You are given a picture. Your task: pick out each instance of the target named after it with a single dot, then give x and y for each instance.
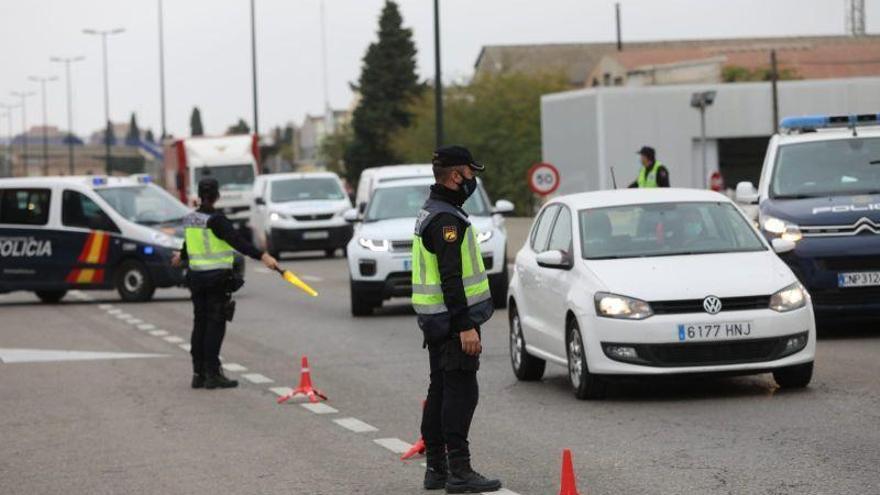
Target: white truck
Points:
(232, 160)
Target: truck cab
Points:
(820, 189)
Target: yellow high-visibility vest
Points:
(205, 250)
(648, 178)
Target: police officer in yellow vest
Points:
(653, 173)
(451, 299)
(209, 248)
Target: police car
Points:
(63, 233)
(820, 188)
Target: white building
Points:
(587, 132)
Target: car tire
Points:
(526, 367)
(498, 287)
(133, 282)
(51, 296)
(797, 376)
(330, 253)
(586, 385)
(360, 305)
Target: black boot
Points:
(198, 380)
(463, 479)
(214, 378)
(437, 471)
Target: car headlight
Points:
(378, 245)
(615, 306)
(484, 236)
(275, 216)
(165, 240)
(790, 298)
(781, 228)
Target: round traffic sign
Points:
(543, 178)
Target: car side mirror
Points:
(781, 246)
(555, 259)
(362, 208)
(351, 215)
(503, 207)
(746, 193)
(260, 201)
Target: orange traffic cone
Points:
(305, 386)
(569, 486)
(418, 447)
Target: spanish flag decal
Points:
(94, 252)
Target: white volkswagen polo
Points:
(654, 282)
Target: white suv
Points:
(380, 252)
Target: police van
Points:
(820, 188)
(63, 233)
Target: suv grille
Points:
(846, 296)
(401, 245)
(696, 305)
(312, 218)
(853, 263)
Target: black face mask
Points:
(468, 187)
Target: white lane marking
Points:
(185, 347)
(262, 270)
(234, 367)
(158, 333)
(319, 408)
(44, 356)
(105, 307)
(123, 316)
(146, 326)
(173, 339)
(281, 391)
(355, 425)
(134, 321)
(395, 445)
(257, 378)
(503, 491)
(311, 278)
(114, 311)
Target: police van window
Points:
(560, 239)
(24, 206)
(834, 167)
(78, 210)
(542, 228)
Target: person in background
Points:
(653, 173)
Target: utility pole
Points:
(438, 80)
(329, 124)
(619, 37)
(67, 61)
(161, 73)
(43, 80)
(254, 67)
(700, 101)
(774, 79)
(24, 95)
(103, 34)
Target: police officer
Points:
(451, 298)
(653, 173)
(209, 247)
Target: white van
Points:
(63, 233)
(372, 177)
(300, 212)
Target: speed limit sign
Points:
(543, 178)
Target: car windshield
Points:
(306, 189)
(406, 201)
(665, 229)
(827, 168)
(146, 205)
(230, 177)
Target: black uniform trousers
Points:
(209, 321)
(452, 398)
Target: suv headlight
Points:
(275, 216)
(378, 245)
(616, 306)
(781, 228)
(790, 298)
(484, 236)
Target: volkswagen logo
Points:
(712, 305)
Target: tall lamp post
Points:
(700, 101)
(104, 34)
(438, 80)
(24, 95)
(254, 67)
(161, 72)
(67, 61)
(43, 80)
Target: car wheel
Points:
(585, 384)
(330, 253)
(133, 282)
(50, 296)
(498, 287)
(360, 305)
(525, 366)
(797, 376)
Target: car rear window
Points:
(24, 206)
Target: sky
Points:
(208, 62)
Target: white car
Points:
(373, 176)
(655, 282)
(300, 212)
(380, 252)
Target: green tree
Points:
(133, 138)
(240, 127)
(498, 117)
(109, 135)
(195, 123)
(148, 136)
(387, 85)
(736, 73)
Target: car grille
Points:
(312, 218)
(401, 246)
(710, 353)
(846, 297)
(849, 263)
(863, 225)
(696, 305)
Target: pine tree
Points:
(387, 84)
(133, 138)
(241, 127)
(148, 136)
(109, 135)
(195, 123)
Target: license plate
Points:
(407, 265)
(711, 331)
(858, 279)
(320, 234)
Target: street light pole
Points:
(254, 67)
(161, 72)
(43, 80)
(438, 80)
(700, 101)
(67, 61)
(24, 134)
(103, 34)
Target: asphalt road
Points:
(133, 425)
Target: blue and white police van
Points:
(820, 189)
(63, 233)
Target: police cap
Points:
(209, 188)
(648, 152)
(450, 156)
